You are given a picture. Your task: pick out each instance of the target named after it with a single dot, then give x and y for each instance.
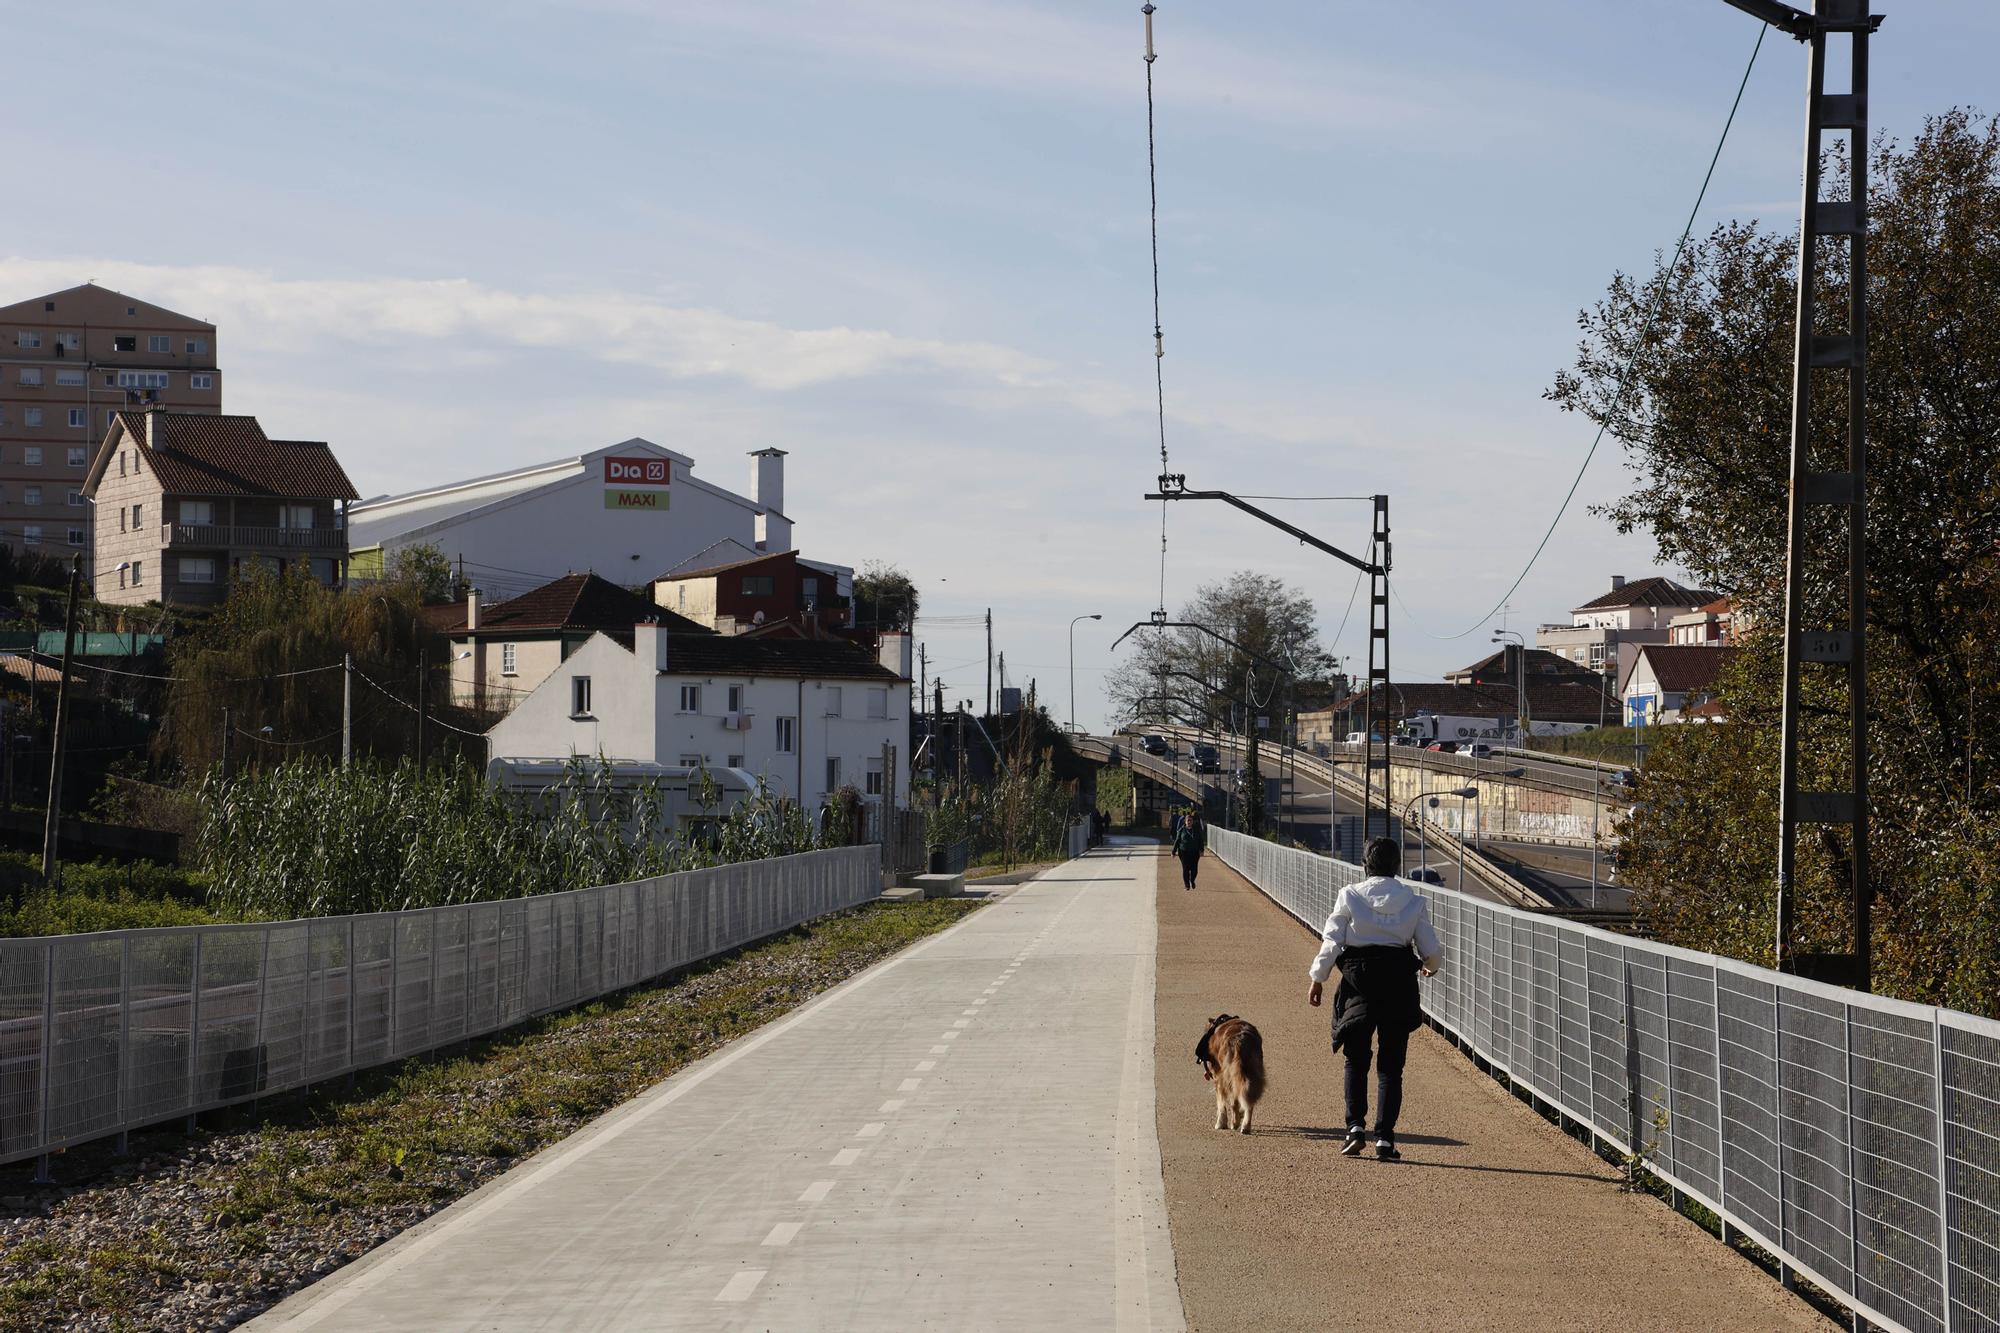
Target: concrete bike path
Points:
(961, 1137)
(1494, 1220)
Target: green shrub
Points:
(71, 913)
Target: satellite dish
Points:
(757, 619)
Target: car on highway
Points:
(1400, 739)
(1207, 759)
(1625, 778)
(1442, 747)
(1156, 745)
(1478, 750)
(1424, 875)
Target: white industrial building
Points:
(808, 716)
(628, 512)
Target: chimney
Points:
(1617, 582)
(153, 415)
(472, 608)
(892, 650)
(649, 639)
(767, 480)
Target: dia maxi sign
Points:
(636, 483)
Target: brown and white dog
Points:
(1231, 1055)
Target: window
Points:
(32, 416)
(31, 495)
(121, 576)
(878, 701)
(810, 587)
(75, 499)
(788, 735)
(833, 701)
(124, 342)
(325, 570)
(873, 778)
(201, 381)
(197, 511)
(197, 347)
(78, 455)
(76, 536)
(138, 517)
(690, 698)
(693, 760)
(159, 342)
(833, 772)
(142, 379)
(32, 455)
(579, 696)
(138, 572)
(508, 665)
(758, 585)
(121, 472)
(121, 518)
(77, 422)
(69, 379)
(31, 376)
(735, 761)
(71, 342)
(27, 338)
(31, 535)
(295, 517)
(197, 569)
(735, 699)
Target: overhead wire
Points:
(1159, 341)
(1624, 377)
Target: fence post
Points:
(1786, 1277)
(1944, 1180)
(124, 1041)
(395, 985)
(1721, 1143)
(194, 1031)
(263, 1005)
(1847, 1111)
(353, 1059)
(42, 1176)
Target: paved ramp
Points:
(960, 1138)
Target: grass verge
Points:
(211, 1230)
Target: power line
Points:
(430, 718)
(1631, 362)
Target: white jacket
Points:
(1382, 910)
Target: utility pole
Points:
(1817, 634)
(347, 709)
(227, 727)
(937, 729)
(989, 661)
(52, 825)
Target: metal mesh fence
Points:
(109, 1032)
(1857, 1139)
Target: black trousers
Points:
(1388, 1060)
(1190, 862)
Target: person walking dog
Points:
(1190, 841)
(1379, 935)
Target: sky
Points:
(907, 241)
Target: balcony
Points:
(223, 536)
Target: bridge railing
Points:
(1854, 1138)
(113, 1031)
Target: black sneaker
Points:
(1355, 1140)
(1385, 1149)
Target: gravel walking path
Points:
(1494, 1220)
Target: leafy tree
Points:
(1705, 427)
(1204, 676)
(884, 597)
(423, 569)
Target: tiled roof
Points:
(1655, 591)
(737, 655)
(205, 453)
(709, 571)
(1548, 701)
(1683, 667)
(579, 602)
(1537, 661)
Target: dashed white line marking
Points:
(926, 1066)
(870, 1130)
(782, 1233)
(739, 1287)
(908, 1085)
(981, 1000)
(939, 1050)
(816, 1191)
(950, 1036)
(961, 1022)
(893, 1104)
(970, 1013)
(846, 1156)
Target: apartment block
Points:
(68, 361)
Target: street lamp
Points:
(1072, 667)
(1520, 683)
(1461, 793)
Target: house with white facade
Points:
(1606, 632)
(1672, 683)
(808, 716)
(626, 512)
